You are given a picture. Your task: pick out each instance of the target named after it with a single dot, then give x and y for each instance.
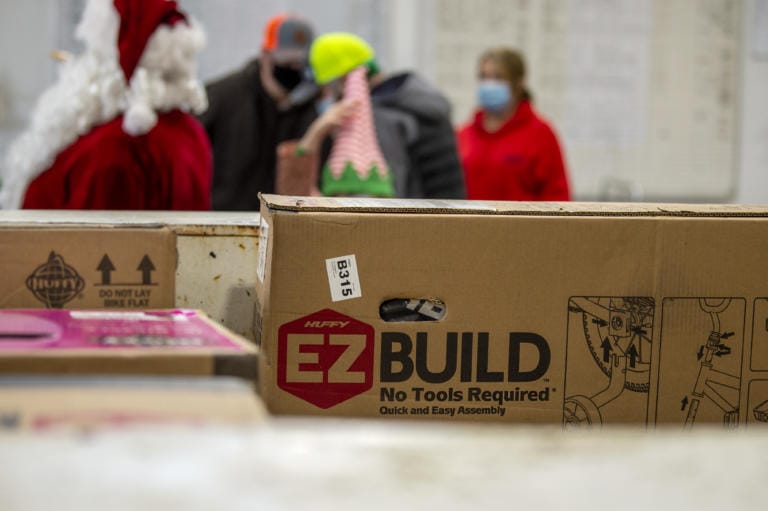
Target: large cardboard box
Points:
(212, 257)
(55, 403)
(109, 342)
(547, 313)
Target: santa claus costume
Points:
(115, 132)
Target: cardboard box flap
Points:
(191, 223)
(463, 207)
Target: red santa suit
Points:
(520, 161)
(115, 132)
(167, 168)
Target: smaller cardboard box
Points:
(55, 403)
(159, 342)
(82, 267)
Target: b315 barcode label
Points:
(343, 278)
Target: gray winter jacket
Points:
(413, 126)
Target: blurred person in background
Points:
(355, 166)
(411, 119)
(254, 109)
(114, 132)
(508, 151)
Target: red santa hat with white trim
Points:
(137, 24)
(153, 37)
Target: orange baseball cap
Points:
(288, 37)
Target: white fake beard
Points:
(87, 93)
(166, 77)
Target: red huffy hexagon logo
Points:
(325, 358)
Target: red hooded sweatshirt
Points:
(521, 161)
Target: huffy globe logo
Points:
(325, 358)
(55, 282)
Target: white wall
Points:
(26, 38)
(235, 26)
(753, 164)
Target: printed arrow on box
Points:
(146, 268)
(606, 345)
(106, 268)
(632, 355)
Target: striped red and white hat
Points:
(356, 165)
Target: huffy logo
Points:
(325, 358)
(55, 282)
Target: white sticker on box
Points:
(343, 278)
(261, 263)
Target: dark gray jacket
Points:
(245, 126)
(413, 126)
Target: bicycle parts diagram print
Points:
(609, 360)
(700, 359)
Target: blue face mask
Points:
(493, 95)
(323, 104)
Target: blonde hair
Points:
(511, 66)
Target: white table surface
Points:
(378, 465)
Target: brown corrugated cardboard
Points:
(43, 404)
(574, 313)
(111, 342)
(85, 267)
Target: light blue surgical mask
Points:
(323, 104)
(494, 95)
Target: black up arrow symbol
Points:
(106, 268)
(606, 350)
(146, 268)
(632, 355)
